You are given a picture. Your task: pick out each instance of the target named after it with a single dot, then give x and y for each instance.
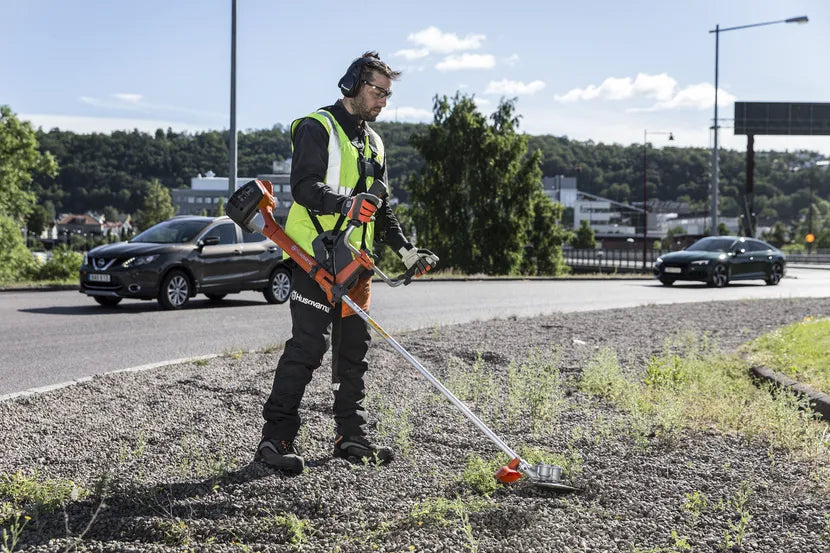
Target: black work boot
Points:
(357, 449)
(279, 454)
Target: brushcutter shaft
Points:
(435, 382)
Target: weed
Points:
(197, 461)
(825, 533)
(296, 530)
(11, 535)
(34, 494)
(535, 390)
(396, 424)
(478, 475)
(740, 523)
(443, 512)
(173, 532)
(695, 504)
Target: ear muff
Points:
(350, 82)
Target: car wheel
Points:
(666, 281)
(174, 291)
(776, 272)
(720, 276)
(279, 286)
(107, 301)
(215, 297)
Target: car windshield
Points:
(172, 232)
(711, 244)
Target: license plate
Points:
(99, 277)
(672, 270)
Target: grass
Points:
(799, 350)
(692, 386)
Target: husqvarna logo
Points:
(296, 296)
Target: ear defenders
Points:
(350, 82)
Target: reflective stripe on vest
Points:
(342, 176)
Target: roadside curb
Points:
(44, 288)
(819, 402)
(52, 387)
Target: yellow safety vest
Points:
(342, 176)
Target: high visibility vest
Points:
(342, 176)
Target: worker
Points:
(337, 158)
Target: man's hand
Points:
(422, 259)
(361, 207)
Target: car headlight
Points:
(86, 259)
(658, 261)
(140, 260)
(700, 262)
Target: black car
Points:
(184, 256)
(717, 260)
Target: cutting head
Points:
(541, 475)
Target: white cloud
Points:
(412, 53)
(126, 97)
(660, 86)
(514, 88)
(466, 61)
(511, 60)
(85, 125)
(697, 96)
(434, 40)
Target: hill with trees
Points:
(113, 171)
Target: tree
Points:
(543, 253)
(473, 202)
(158, 205)
(220, 207)
(20, 161)
(667, 243)
(16, 261)
(584, 237)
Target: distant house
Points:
(86, 224)
(118, 229)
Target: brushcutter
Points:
(251, 207)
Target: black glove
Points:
(422, 259)
(361, 207)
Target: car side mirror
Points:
(208, 241)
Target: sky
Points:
(601, 70)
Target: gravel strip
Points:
(177, 443)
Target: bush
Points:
(64, 265)
(16, 261)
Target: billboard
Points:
(794, 118)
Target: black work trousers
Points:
(316, 323)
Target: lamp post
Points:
(645, 190)
(717, 30)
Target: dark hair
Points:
(379, 66)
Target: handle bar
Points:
(403, 278)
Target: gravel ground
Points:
(176, 444)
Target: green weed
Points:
(535, 391)
(34, 494)
(296, 530)
(695, 504)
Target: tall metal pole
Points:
(717, 30)
(715, 221)
(645, 201)
(232, 134)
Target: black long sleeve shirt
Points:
(308, 171)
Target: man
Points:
(337, 159)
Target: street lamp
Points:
(645, 190)
(717, 30)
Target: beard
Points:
(365, 112)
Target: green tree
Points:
(20, 161)
(668, 241)
(473, 202)
(158, 205)
(38, 220)
(16, 261)
(583, 238)
(220, 207)
(543, 253)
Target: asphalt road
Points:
(47, 338)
